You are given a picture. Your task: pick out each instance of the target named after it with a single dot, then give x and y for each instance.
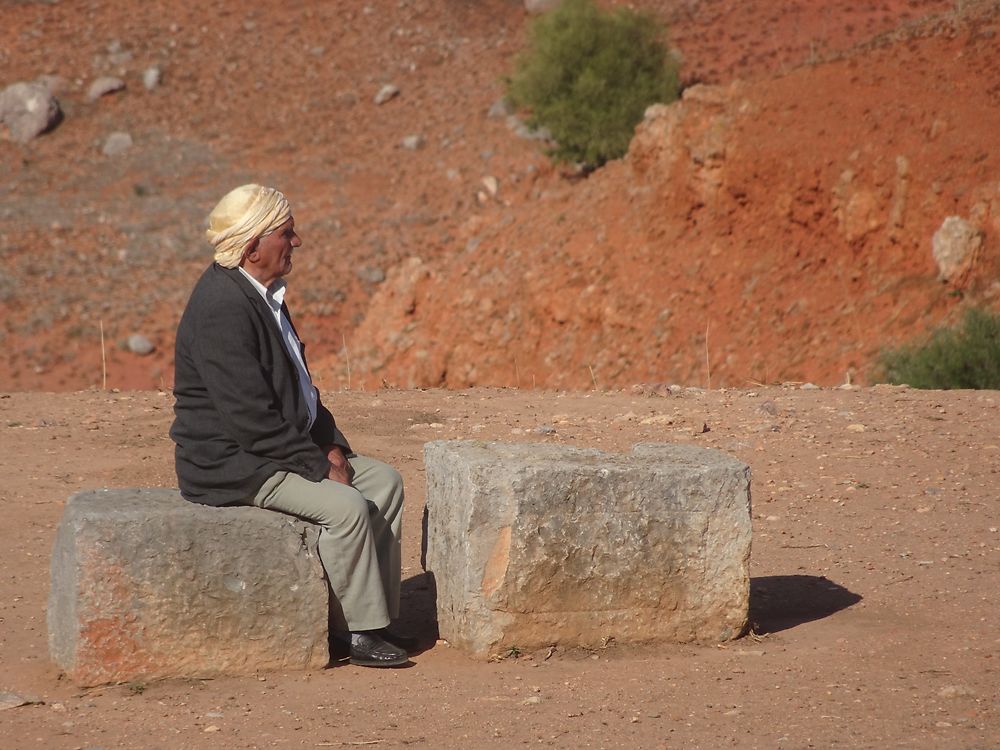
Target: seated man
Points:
(250, 427)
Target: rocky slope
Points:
(767, 231)
(98, 246)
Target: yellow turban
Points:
(243, 215)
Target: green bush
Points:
(967, 356)
(588, 76)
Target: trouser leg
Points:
(382, 485)
(347, 545)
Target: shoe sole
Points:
(358, 662)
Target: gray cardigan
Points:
(239, 412)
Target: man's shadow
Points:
(781, 602)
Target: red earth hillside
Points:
(283, 93)
(769, 231)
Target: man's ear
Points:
(250, 251)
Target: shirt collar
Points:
(274, 295)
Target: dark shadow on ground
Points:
(781, 602)
(418, 609)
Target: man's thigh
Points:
(327, 502)
(373, 477)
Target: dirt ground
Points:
(875, 567)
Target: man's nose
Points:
(296, 240)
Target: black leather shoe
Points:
(405, 642)
(369, 650)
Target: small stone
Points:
(955, 691)
(413, 142)
(768, 407)
(139, 344)
(117, 143)
(492, 185)
(28, 110)
(371, 274)
(544, 429)
(151, 77)
(387, 92)
(211, 728)
(103, 86)
(808, 387)
(500, 108)
(534, 700)
(536, 7)
(856, 428)
(955, 246)
(13, 700)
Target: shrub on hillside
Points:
(966, 356)
(588, 75)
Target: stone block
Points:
(146, 585)
(532, 545)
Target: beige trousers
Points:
(359, 541)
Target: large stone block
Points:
(532, 545)
(146, 585)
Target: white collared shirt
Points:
(274, 297)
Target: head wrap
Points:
(243, 215)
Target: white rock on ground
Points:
(28, 110)
(386, 93)
(103, 86)
(116, 143)
(533, 545)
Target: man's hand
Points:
(340, 470)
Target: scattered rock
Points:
(387, 92)
(768, 407)
(151, 77)
(13, 700)
(955, 691)
(856, 428)
(808, 387)
(535, 7)
(103, 86)
(139, 344)
(500, 108)
(521, 130)
(117, 143)
(28, 110)
(413, 142)
(371, 274)
(118, 55)
(492, 185)
(955, 246)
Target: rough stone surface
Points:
(954, 246)
(146, 585)
(28, 110)
(532, 545)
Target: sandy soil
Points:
(876, 558)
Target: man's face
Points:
(272, 258)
